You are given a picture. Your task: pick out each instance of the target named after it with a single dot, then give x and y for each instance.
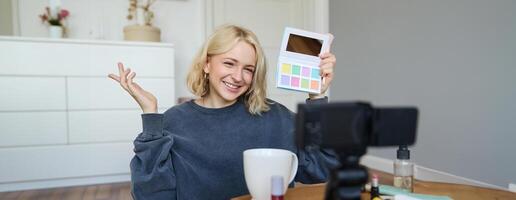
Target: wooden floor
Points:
(115, 191)
(121, 191)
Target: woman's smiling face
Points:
(231, 73)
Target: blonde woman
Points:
(194, 150)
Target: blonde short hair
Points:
(221, 41)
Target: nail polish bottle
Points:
(277, 188)
(375, 191)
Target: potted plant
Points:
(142, 30)
(56, 21)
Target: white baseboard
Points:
(424, 173)
(512, 187)
(45, 184)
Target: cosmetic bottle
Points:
(277, 188)
(375, 191)
(403, 170)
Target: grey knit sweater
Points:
(192, 152)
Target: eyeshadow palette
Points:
(298, 62)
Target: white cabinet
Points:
(62, 120)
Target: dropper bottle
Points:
(403, 170)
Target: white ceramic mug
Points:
(261, 164)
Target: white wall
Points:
(181, 23)
(455, 60)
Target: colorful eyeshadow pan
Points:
(305, 72)
(296, 69)
(314, 85)
(285, 80)
(294, 82)
(285, 68)
(315, 73)
(304, 83)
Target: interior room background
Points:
(455, 60)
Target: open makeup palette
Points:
(298, 62)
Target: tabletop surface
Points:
(455, 191)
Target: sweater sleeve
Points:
(314, 162)
(152, 172)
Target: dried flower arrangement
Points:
(147, 14)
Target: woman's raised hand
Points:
(326, 66)
(148, 102)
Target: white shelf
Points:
(82, 41)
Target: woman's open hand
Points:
(148, 102)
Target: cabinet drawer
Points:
(104, 126)
(32, 93)
(104, 93)
(32, 128)
(64, 161)
(83, 58)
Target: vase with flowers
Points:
(55, 21)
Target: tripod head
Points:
(349, 128)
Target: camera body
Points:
(352, 126)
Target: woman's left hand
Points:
(328, 61)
